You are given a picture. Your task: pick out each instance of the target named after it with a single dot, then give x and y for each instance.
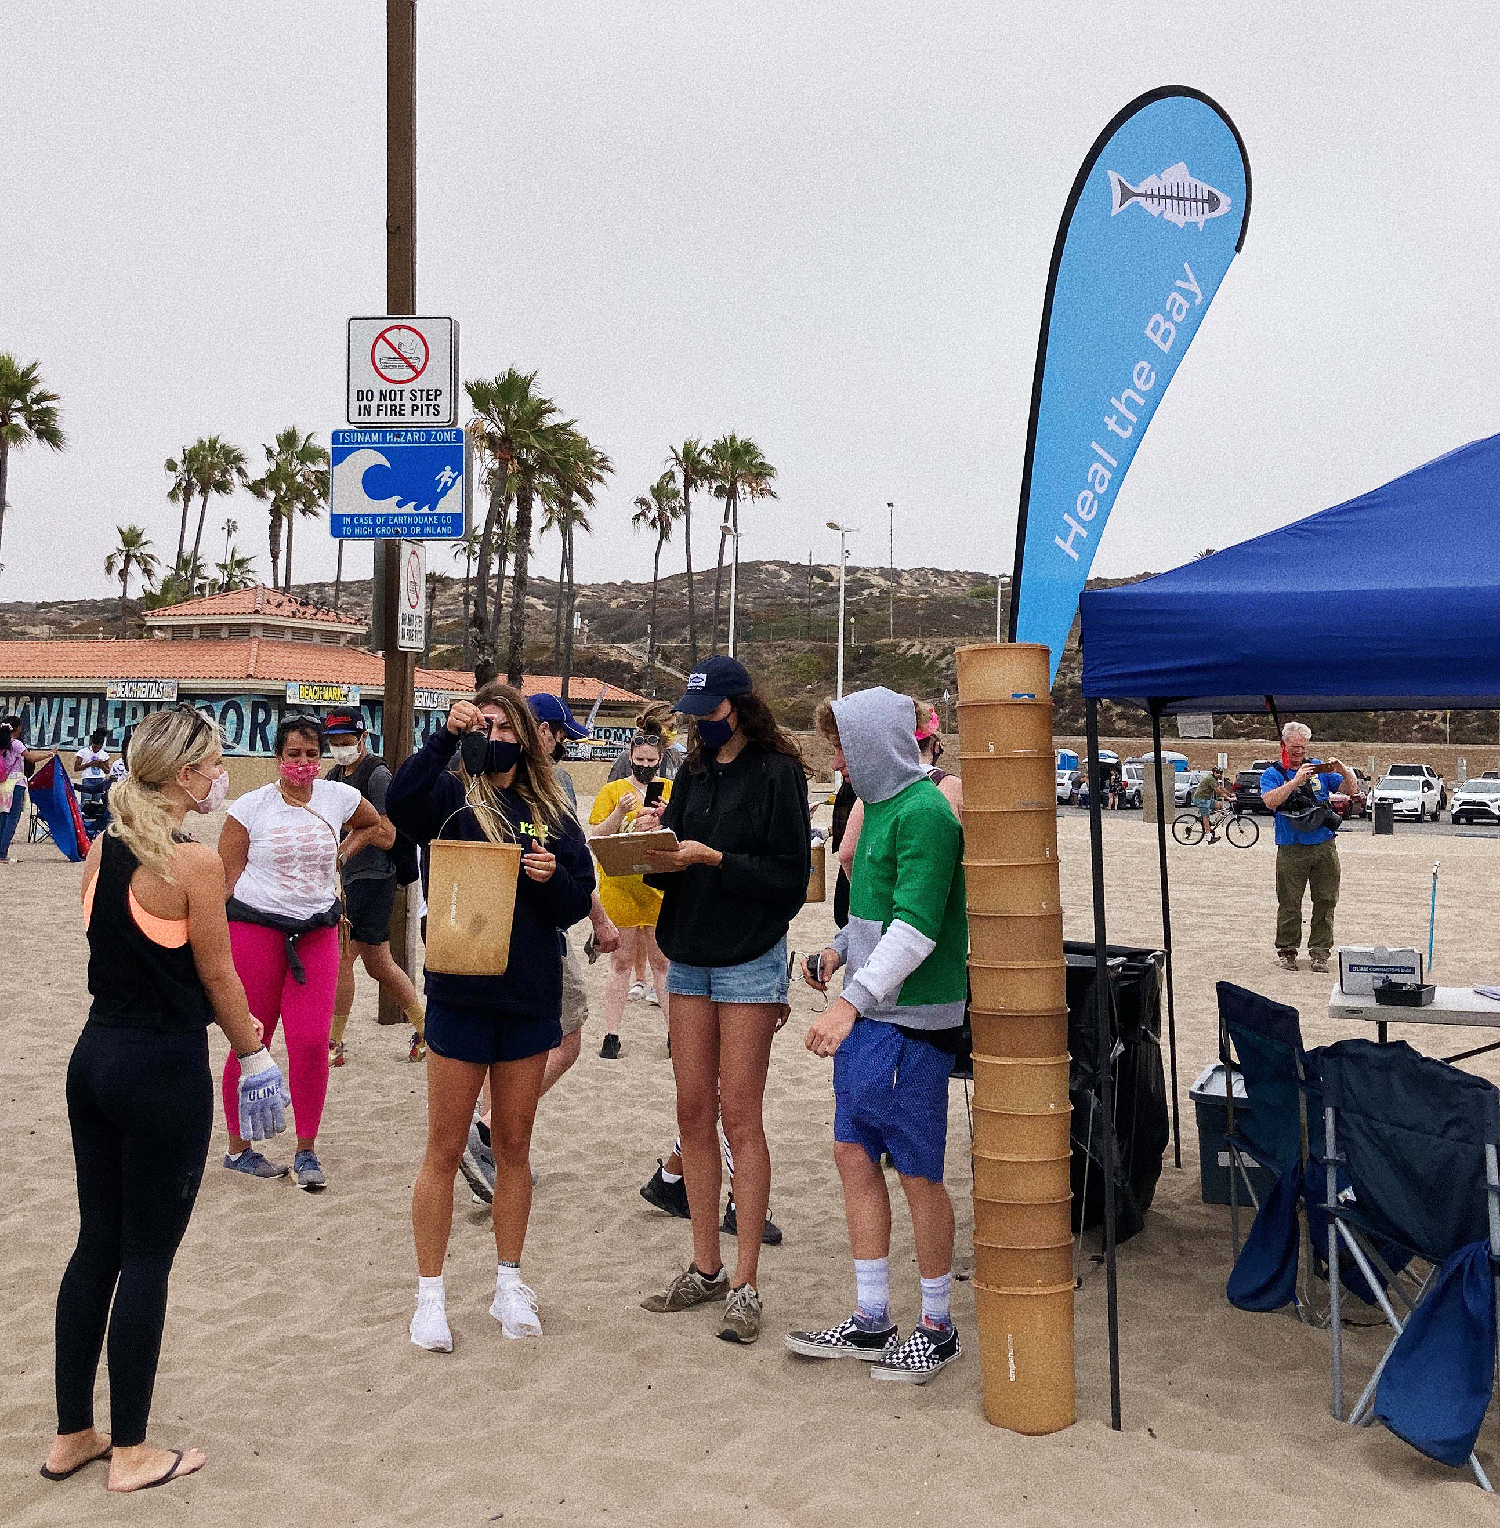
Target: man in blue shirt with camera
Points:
(1297, 790)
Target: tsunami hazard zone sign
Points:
(403, 370)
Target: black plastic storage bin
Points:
(1207, 1098)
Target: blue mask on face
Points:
(714, 735)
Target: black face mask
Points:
(481, 756)
(645, 773)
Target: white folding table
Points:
(1450, 1005)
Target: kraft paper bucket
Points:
(990, 671)
(1009, 1179)
(996, 888)
(1026, 1356)
(1000, 1133)
(471, 898)
(1044, 1223)
(1019, 1034)
(1012, 782)
(1018, 986)
(1004, 727)
(1021, 1086)
(1029, 1268)
(817, 880)
(1009, 837)
(1009, 937)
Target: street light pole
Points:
(891, 554)
(845, 531)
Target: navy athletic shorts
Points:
(890, 1093)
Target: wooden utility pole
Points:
(400, 297)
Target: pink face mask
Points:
(299, 771)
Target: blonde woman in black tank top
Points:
(140, 1095)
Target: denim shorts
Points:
(762, 980)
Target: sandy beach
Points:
(286, 1356)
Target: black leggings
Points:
(140, 1104)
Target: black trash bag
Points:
(1142, 1118)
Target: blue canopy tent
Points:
(1389, 601)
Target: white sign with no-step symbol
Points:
(411, 625)
(403, 370)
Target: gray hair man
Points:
(1306, 854)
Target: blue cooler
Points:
(1212, 1111)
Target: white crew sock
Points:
(937, 1298)
(431, 1289)
(872, 1289)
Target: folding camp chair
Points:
(1417, 1139)
(1261, 1040)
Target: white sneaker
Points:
(652, 998)
(514, 1308)
(637, 992)
(429, 1326)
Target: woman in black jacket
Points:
(735, 881)
(504, 791)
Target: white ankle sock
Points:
(507, 1273)
(937, 1297)
(872, 1285)
(667, 1177)
(431, 1289)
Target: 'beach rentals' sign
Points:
(1157, 212)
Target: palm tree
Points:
(568, 495)
(236, 571)
(132, 555)
(467, 548)
(184, 473)
(219, 468)
(186, 579)
(519, 433)
(28, 412)
(295, 482)
(739, 471)
(656, 509)
(696, 470)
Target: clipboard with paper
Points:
(625, 853)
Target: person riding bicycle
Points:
(1208, 792)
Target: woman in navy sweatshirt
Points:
(505, 791)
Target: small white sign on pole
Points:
(403, 370)
(411, 626)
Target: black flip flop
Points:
(171, 1474)
(82, 1464)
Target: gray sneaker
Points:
(309, 1172)
(688, 1289)
(253, 1165)
(741, 1315)
(478, 1166)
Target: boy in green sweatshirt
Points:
(891, 1033)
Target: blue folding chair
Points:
(1261, 1040)
(1416, 1141)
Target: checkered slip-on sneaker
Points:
(846, 1340)
(924, 1354)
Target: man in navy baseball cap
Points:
(549, 709)
(711, 684)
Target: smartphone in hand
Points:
(654, 792)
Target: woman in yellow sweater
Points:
(621, 807)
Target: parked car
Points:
(1478, 800)
(1427, 772)
(1415, 795)
(1247, 791)
(1067, 775)
(1351, 807)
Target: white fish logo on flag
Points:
(1173, 194)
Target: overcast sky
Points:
(825, 226)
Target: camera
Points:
(1307, 814)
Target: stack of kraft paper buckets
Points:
(1023, 1245)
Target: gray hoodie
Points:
(878, 731)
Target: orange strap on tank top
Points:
(169, 933)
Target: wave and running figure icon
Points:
(1173, 194)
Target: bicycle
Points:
(1239, 828)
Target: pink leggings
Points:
(260, 960)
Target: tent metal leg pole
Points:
(1102, 1004)
(1166, 925)
(1492, 1184)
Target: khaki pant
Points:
(1297, 867)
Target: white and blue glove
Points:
(263, 1097)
